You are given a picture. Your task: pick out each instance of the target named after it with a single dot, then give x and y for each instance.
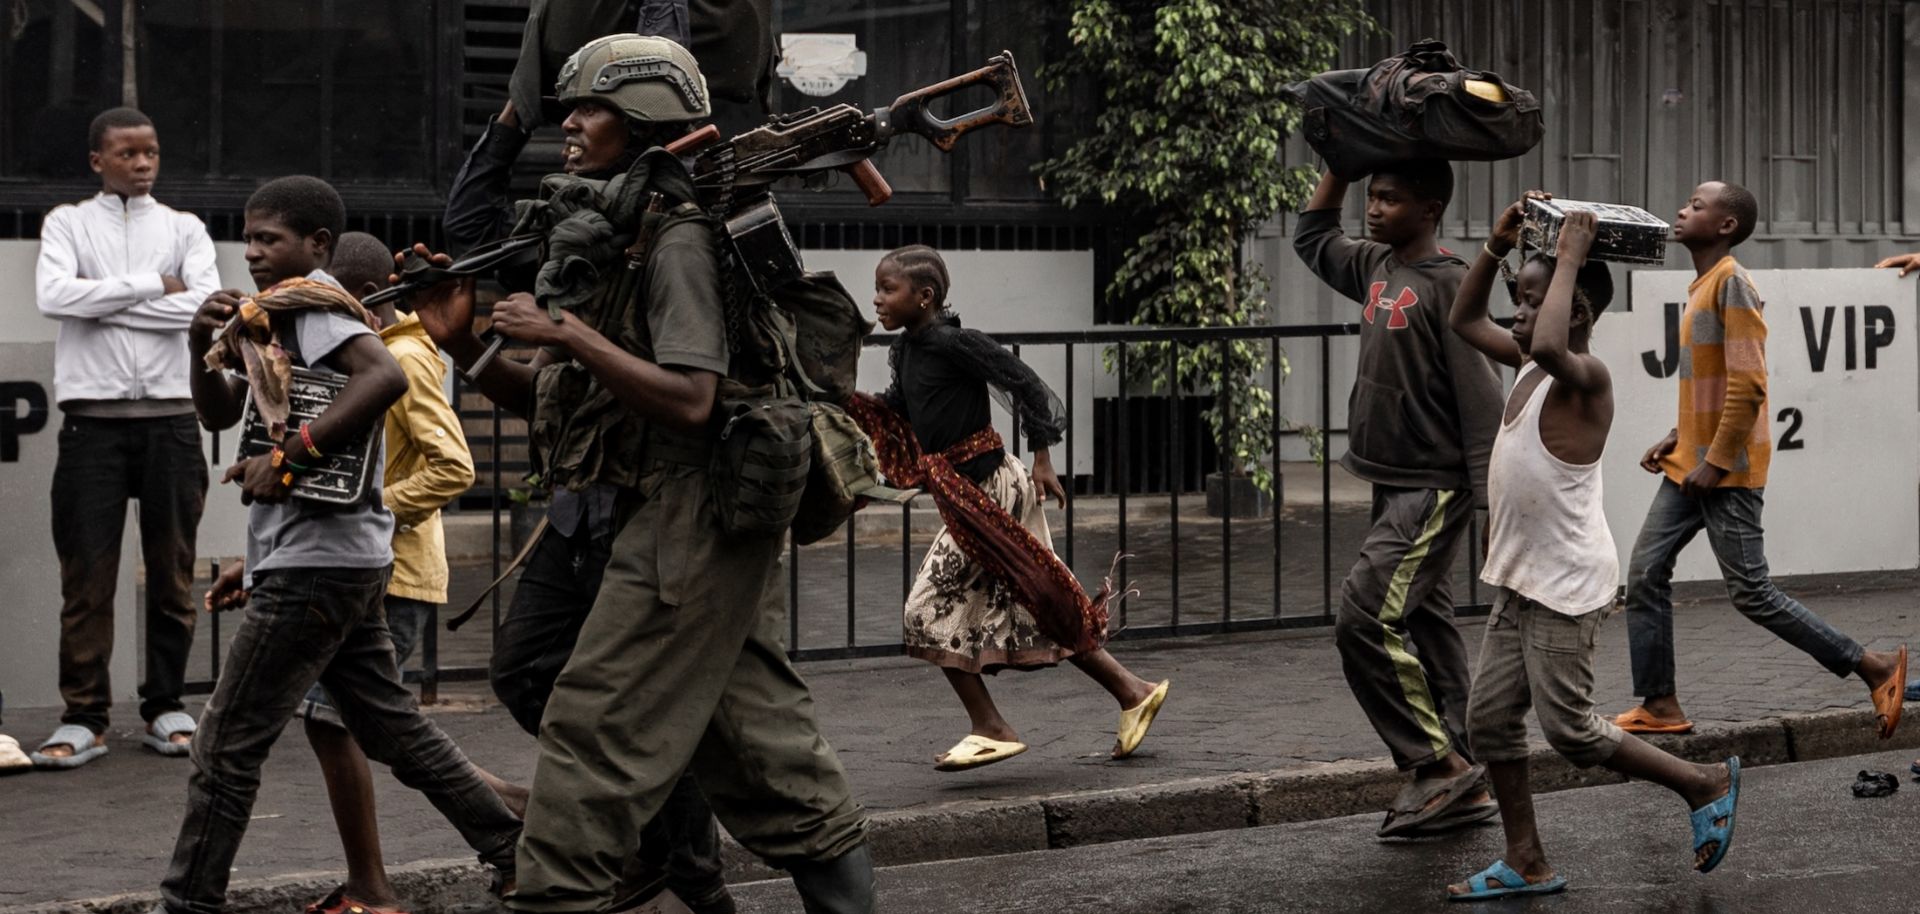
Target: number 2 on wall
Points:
(1790, 439)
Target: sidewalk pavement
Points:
(1258, 729)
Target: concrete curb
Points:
(986, 828)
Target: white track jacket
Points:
(121, 337)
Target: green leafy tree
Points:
(1193, 111)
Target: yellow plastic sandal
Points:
(975, 751)
(1135, 721)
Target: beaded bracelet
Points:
(306, 438)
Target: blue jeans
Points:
(1731, 517)
(303, 625)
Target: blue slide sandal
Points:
(1500, 881)
(1704, 829)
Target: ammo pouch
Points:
(843, 473)
(762, 452)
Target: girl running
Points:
(990, 595)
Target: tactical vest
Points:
(580, 433)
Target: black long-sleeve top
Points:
(944, 380)
(480, 203)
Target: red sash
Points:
(984, 531)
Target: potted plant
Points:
(1193, 115)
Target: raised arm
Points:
(478, 206)
(1469, 318)
(1551, 350)
(1341, 262)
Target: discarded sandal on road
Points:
(1135, 721)
(1640, 720)
(1891, 696)
(1500, 881)
(975, 751)
(1871, 784)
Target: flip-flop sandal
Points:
(1414, 810)
(975, 751)
(85, 744)
(159, 734)
(12, 760)
(1641, 720)
(1890, 697)
(1500, 881)
(1705, 830)
(339, 902)
(1135, 721)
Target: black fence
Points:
(1200, 574)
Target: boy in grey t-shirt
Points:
(315, 575)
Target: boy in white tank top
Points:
(1553, 559)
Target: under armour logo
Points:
(1397, 320)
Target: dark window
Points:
(343, 89)
(907, 45)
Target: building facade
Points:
(1811, 103)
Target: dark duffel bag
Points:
(1420, 104)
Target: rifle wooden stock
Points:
(909, 114)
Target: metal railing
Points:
(819, 630)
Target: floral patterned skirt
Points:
(960, 617)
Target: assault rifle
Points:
(805, 143)
(844, 138)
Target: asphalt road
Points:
(1803, 844)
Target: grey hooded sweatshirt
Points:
(1426, 405)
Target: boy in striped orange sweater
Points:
(1714, 464)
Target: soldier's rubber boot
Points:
(843, 885)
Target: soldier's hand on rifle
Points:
(1906, 263)
(226, 593)
(446, 310)
(519, 317)
(259, 480)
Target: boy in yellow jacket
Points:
(428, 465)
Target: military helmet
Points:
(650, 79)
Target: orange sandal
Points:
(1641, 720)
(1890, 696)
(339, 902)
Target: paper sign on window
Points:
(820, 63)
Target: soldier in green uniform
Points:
(681, 664)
